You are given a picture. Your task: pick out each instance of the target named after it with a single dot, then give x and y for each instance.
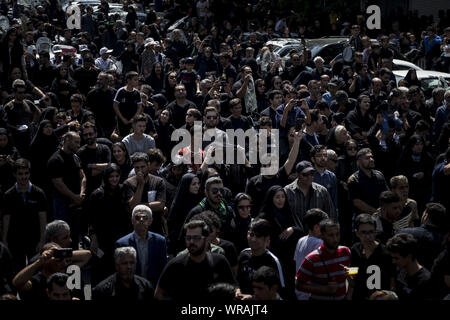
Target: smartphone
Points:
(61, 253)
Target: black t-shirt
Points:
(248, 264)
(179, 113)
(37, 292)
(85, 79)
(416, 287)
(24, 208)
(20, 114)
(230, 251)
(184, 279)
(128, 102)
(101, 104)
(67, 167)
(380, 257)
(101, 154)
(188, 79)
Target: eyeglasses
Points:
(217, 190)
(138, 218)
(252, 234)
(211, 117)
(244, 207)
(194, 238)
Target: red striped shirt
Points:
(319, 267)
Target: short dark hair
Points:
(388, 197)
(131, 75)
(139, 156)
(193, 224)
(140, 117)
(363, 152)
(88, 125)
(314, 216)
(437, 214)
(214, 219)
(324, 224)
(273, 93)
(403, 244)
(261, 227)
(211, 181)
(156, 155)
(316, 149)
(203, 217)
(221, 292)
(76, 97)
(58, 278)
(364, 218)
(267, 275)
(21, 164)
(265, 121)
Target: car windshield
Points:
(431, 83)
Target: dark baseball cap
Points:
(304, 167)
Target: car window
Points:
(329, 52)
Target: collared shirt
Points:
(317, 197)
(103, 65)
(328, 180)
(142, 251)
(24, 194)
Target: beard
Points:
(197, 250)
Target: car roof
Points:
(423, 74)
(405, 63)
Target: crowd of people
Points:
(90, 177)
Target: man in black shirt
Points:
(258, 255)
(69, 183)
(127, 103)
(412, 281)
(148, 189)
(370, 255)
(100, 102)
(388, 213)
(86, 75)
(24, 214)
(189, 275)
(238, 121)
(180, 106)
(124, 285)
(94, 157)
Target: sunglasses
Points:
(194, 238)
(138, 218)
(217, 190)
(211, 117)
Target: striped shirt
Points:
(319, 267)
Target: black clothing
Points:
(101, 104)
(113, 289)
(380, 257)
(178, 113)
(101, 154)
(415, 287)
(184, 279)
(67, 167)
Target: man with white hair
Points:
(124, 285)
(320, 70)
(150, 247)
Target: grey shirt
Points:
(317, 197)
(138, 146)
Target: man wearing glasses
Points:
(304, 194)
(189, 275)
(214, 202)
(150, 247)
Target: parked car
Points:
(428, 79)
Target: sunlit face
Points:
(118, 153)
(365, 104)
(256, 242)
(48, 129)
(243, 208)
(164, 117)
(401, 190)
(114, 179)
(279, 199)
(194, 187)
(141, 166)
(195, 241)
(331, 237)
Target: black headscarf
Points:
(411, 82)
(48, 114)
(269, 211)
(183, 202)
